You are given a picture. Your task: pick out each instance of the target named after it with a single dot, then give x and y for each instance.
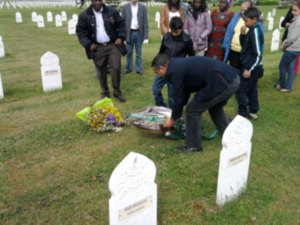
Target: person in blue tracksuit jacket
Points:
(251, 64)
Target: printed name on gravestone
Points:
(1, 88)
(134, 192)
(234, 160)
(51, 72)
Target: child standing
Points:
(291, 48)
(251, 62)
(174, 44)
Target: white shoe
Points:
(253, 116)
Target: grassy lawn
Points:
(53, 170)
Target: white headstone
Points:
(146, 41)
(269, 15)
(19, 17)
(58, 21)
(71, 27)
(2, 52)
(134, 193)
(275, 40)
(75, 18)
(34, 16)
(49, 16)
(1, 88)
(63, 16)
(271, 23)
(274, 12)
(280, 21)
(51, 73)
(40, 21)
(234, 160)
(157, 19)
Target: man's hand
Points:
(169, 123)
(118, 41)
(246, 74)
(287, 25)
(93, 47)
(243, 29)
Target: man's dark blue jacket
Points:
(205, 76)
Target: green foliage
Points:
(53, 170)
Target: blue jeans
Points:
(287, 64)
(135, 41)
(157, 86)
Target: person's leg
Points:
(157, 86)
(291, 73)
(253, 92)
(129, 45)
(234, 60)
(194, 110)
(100, 62)
(114, 61)
(242, 97)
(170, 96)
(286, 59)
(138, 53)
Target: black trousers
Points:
(215, 108)
(108, 55)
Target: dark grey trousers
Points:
(108, 55)
(215, 108)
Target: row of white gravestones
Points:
(134, 191)
(1, 88)
(2, 51)
(51, 72)
(34, 16)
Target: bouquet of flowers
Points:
(102, 116)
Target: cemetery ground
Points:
(53, 170)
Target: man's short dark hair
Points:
(160, 60)
(252, 12)
(176, 23)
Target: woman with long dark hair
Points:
(198, 25)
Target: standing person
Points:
(198, 25)
(231, 42)
(174, 44)
(220, 19)
(291, 48)
(169, 10)
(136, 20)
(101, 30)
(213, 83)
(251, 61)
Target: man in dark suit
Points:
(213, 83)
(101, 30)
(136, 19)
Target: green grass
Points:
(48, 156)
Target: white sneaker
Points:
(253, 116)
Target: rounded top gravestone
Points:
(49, 59)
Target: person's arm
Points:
(256, 54)
(163, 27)
(120, 26)
(146, 23)
(162, 47)
(190, 48)
(287, 19)
(208, 26)
(82, 32)
(293, 35)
